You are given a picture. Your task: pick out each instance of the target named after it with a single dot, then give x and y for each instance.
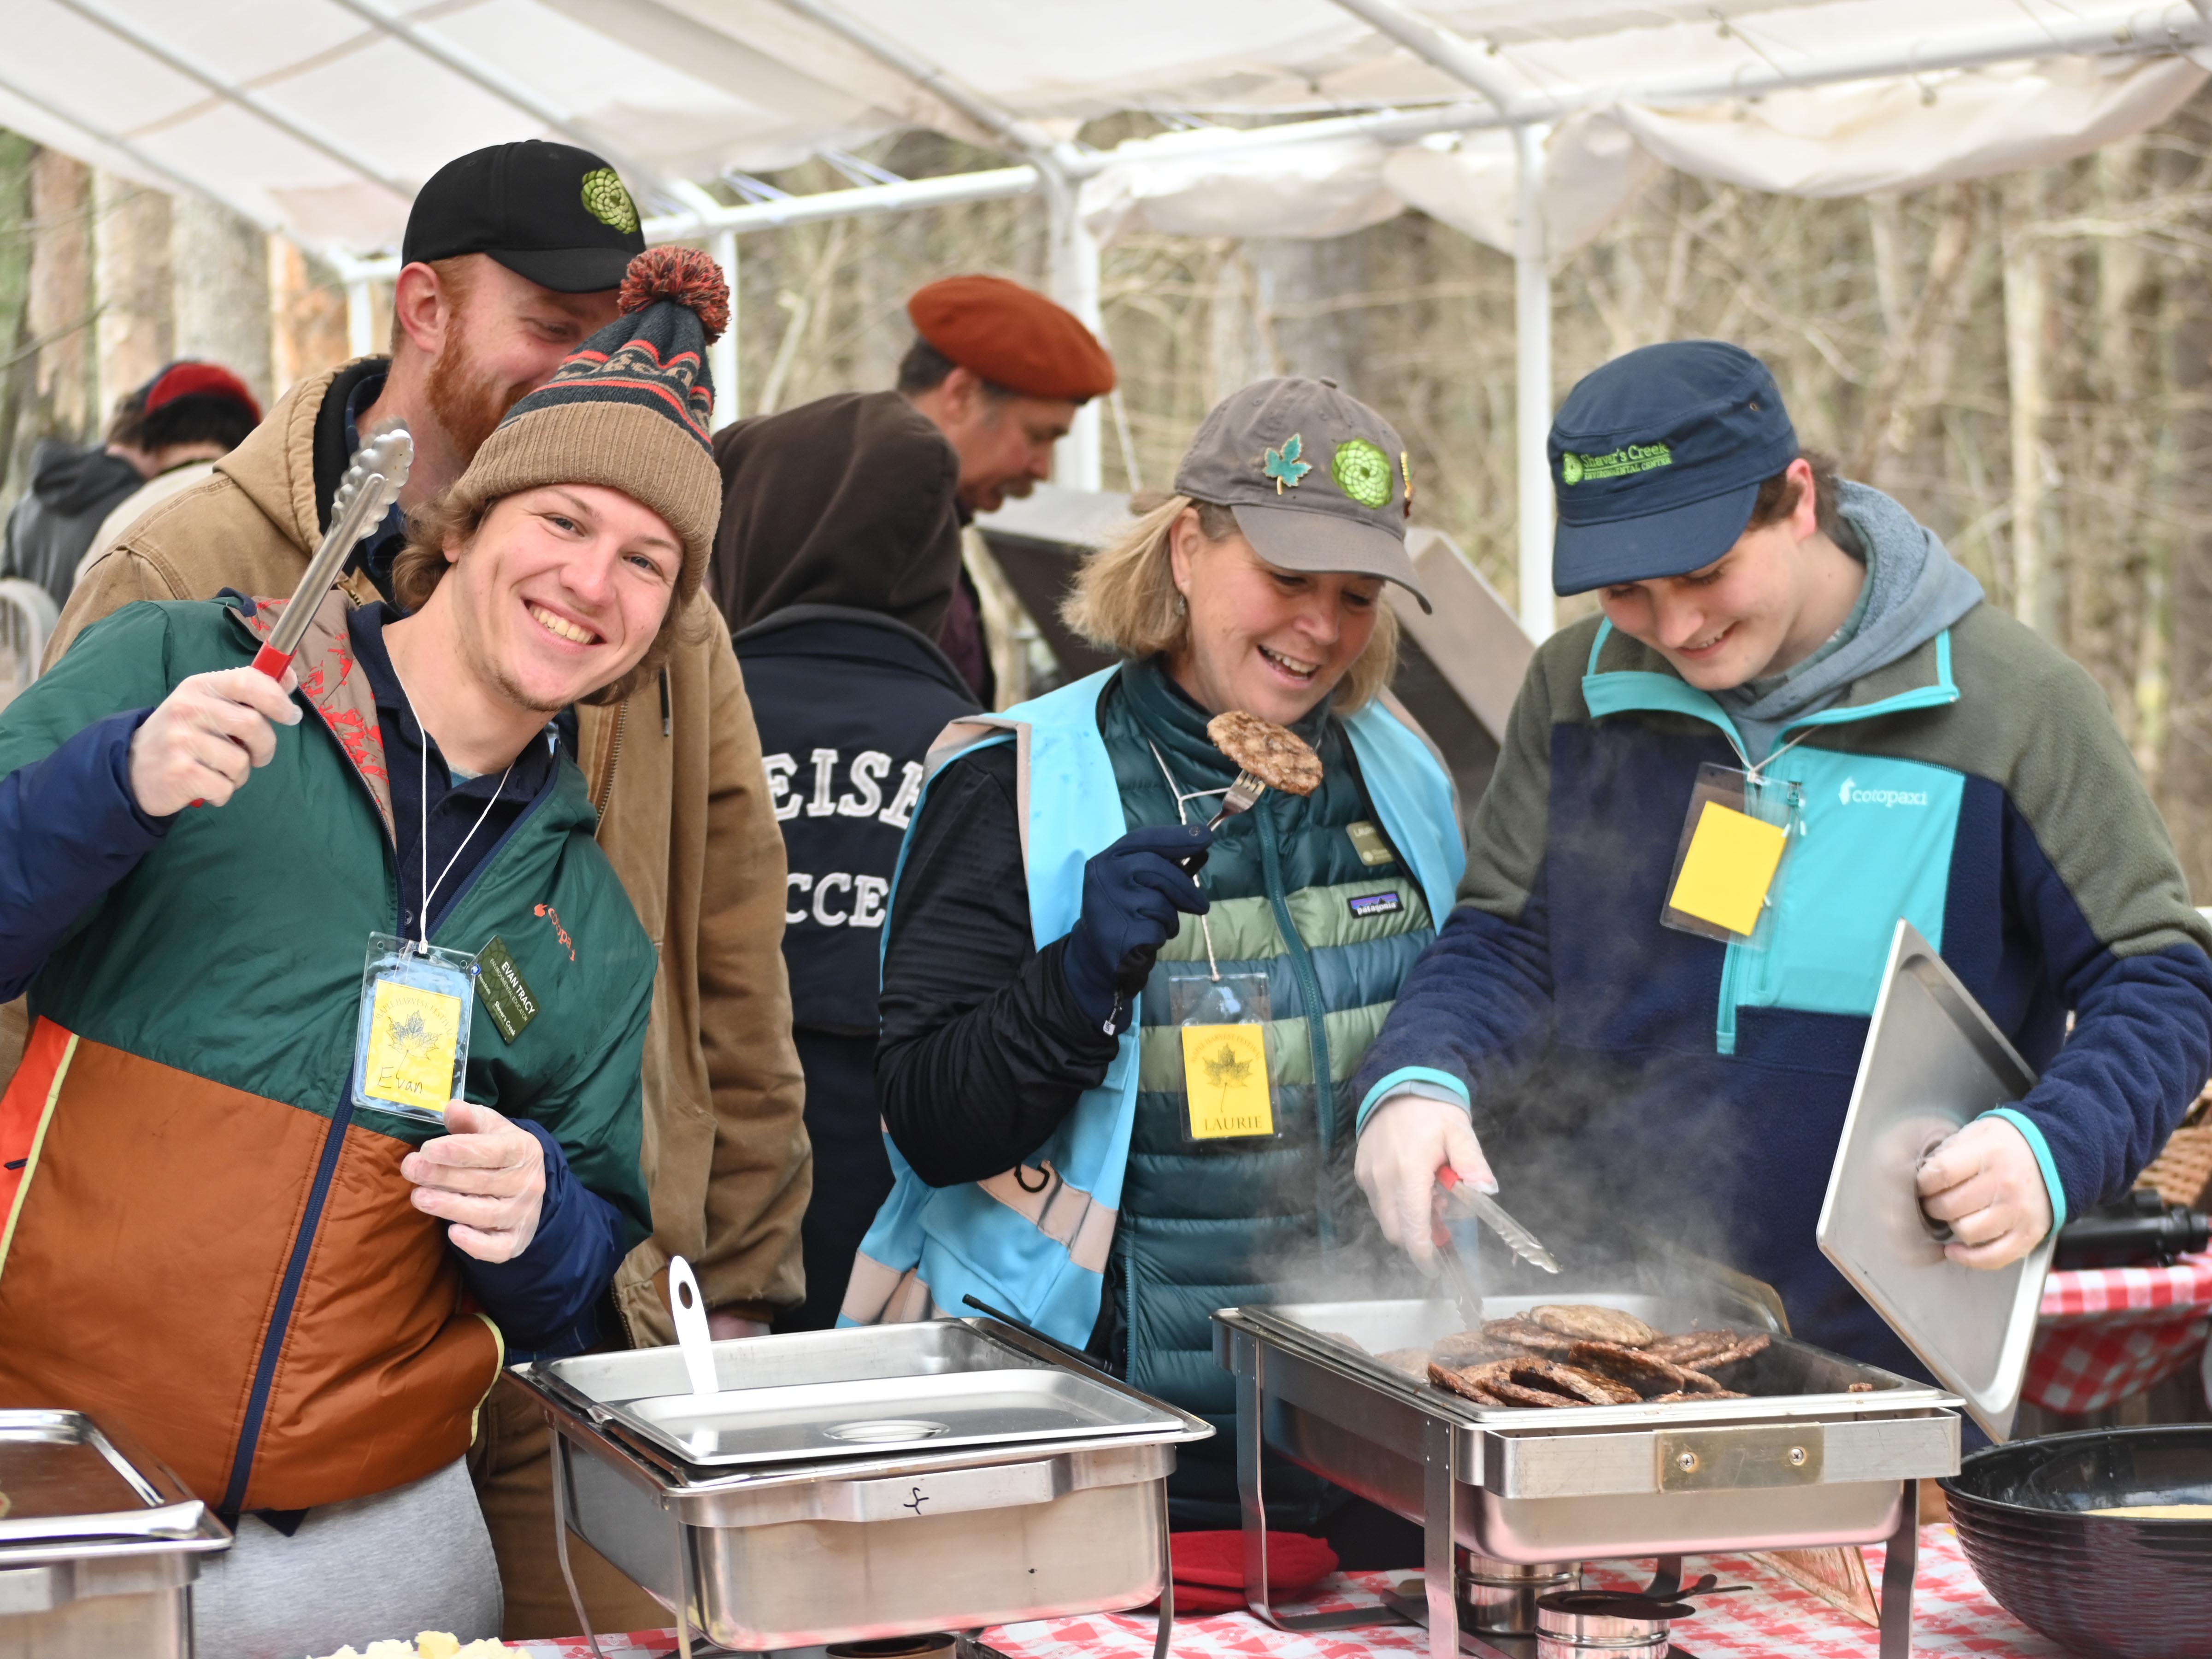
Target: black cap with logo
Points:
(550, 212)
(1657, 461)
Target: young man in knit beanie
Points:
(230, 1140)
(508, 252)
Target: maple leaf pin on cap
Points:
(1305, 468)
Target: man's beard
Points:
(467, 409)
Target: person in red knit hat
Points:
(1001, 370)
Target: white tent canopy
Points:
(1527, 123)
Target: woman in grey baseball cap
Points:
(1113, 1088)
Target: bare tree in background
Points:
(219, 264)
(130, 272)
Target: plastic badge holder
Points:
(411, 1047)
(1224, 1021)
(1733, 856)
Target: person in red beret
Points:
(1001, 370)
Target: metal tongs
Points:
(365, 495)
(1487, 1210)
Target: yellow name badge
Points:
(1225, 1080)
(1729, 867)
(412, 1037)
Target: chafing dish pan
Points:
(1806, 1462)
(98, 1543)
(869, 1540)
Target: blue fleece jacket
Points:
(1622, 1071)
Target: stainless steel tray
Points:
(1818, 1465)
(1933, 1062)
(1792, 1379)
(782, 1553)
(814, 1420)
(98, 1543)
(62, 1477)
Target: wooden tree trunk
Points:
(17, 156)
(130, 273)
(2027, 315)
(1314, 295)
(53, 387)
(308, 317)
(219, 267)
(2185, 776)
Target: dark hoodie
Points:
(72, 489)
(848, 501)
(835, 558)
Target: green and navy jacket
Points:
(200, 1236)
(1976, 787)
(1329, 897)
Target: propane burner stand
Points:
(1827, 1452)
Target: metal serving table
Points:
(1806, 1462)
(1062, 1509)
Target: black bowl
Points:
(2097, 1584)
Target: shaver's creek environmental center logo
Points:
(1621, 462)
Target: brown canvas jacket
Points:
(684, 819)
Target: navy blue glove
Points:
(1130, 894)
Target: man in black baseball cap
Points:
(554, 213)
(1794, 725)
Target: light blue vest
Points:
(1034, 1242)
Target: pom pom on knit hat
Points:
(686, 276)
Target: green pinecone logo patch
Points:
(1362, 471)
(605, 200)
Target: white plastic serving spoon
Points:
(691, 1332)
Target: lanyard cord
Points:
(422, 801)
(1205, 922)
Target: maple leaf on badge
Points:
(1226, 1069)
(1283, 465)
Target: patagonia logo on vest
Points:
(1851, 795)
(1375, 904)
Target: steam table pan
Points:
(1828, 1451)
(806, 1420)
(855, 1485)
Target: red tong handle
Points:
(1447, 1178)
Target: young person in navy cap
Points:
(1001, 370)
(1930, 758)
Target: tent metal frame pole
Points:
(1532, 297)
(939, 83)
(360, 318)
(251, 101)
(1079, 460)
(722, 360)
(680, 191)
(1079, 457)
(1532, 383)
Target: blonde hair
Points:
(1125, 600)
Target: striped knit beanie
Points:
(630, 409)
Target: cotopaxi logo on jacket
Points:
(1852, 795)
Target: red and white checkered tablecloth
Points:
(1952, 1616)
(2104, 1334)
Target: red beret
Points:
(1012, 337)
(191, 379)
